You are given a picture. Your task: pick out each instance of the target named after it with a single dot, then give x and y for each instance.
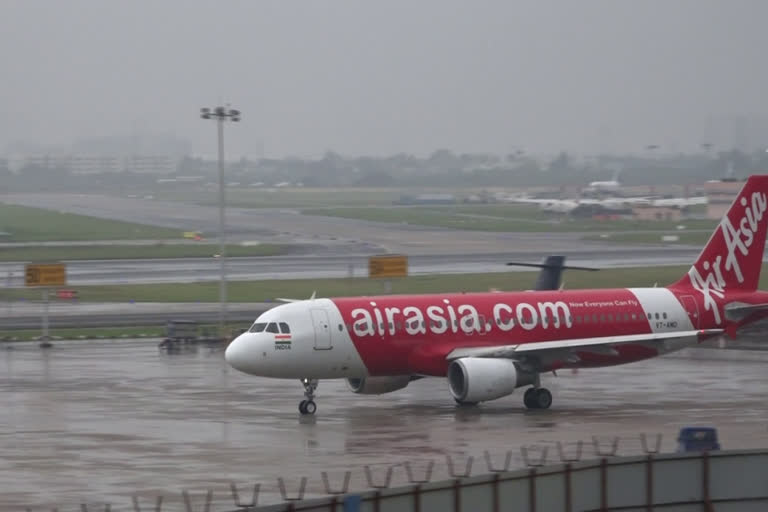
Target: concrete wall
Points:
(730, 481)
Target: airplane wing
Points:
(601, 344)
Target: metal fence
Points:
(376, 486)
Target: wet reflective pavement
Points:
(97, 422)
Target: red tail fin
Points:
(732, 258)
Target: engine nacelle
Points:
(378, 385)
(477, 379)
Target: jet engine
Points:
(378, 385)
(477, 379)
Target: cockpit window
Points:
(284, 328)
(258, 327)
(272, 327)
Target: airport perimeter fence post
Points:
(299, 494)
(467, 469)
(604, 484)
(378, 487)
(532, 473)
(427, 473)
(137, 508)
(705, 498)
(646, 447)
(494, 469)
(542, 457)
(568, 487)
(649, 482)
(369, 478)
(610, 452)
(236, 497)
(564, 457)
(344, 485)
(188, 501)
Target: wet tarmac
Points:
(97, 422)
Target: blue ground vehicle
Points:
(697, 439)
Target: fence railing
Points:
(380, 477)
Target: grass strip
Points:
(27, 224)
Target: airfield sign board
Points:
(388, 265)
(45, 274)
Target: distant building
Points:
(150, 164)
(720, 195)
(656, 213)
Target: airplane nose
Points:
(236, 354)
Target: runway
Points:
(96, 422)
(188, 270)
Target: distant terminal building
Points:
(150, 164)
(92, 163)
(720, 195)
(657, 213)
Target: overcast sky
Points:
(364, 77)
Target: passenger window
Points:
(610, 318)
(272, 327)
(664, 315)
(284, 328)
(650, 316)
(341, 327)
(626, 317)
(634, 316)
(602, 319)
(657, 316)
(258, 327)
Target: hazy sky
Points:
(365, 77)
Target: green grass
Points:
(691, 238)
(428, 216)
(110, 252)
(27, 224)
(259, 291)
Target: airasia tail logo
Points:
(738, 238)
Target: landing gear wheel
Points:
(537, 398)
(303, 407)
(310, 407)
(529, 399)
(543, 398)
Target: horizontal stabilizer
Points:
(738, 311)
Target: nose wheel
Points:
(308, 406)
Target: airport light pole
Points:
(221, 114)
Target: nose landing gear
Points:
(308, 406)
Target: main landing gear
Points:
(537, 398)
(308, 406)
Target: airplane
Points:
(487, 345)
(611, 185)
